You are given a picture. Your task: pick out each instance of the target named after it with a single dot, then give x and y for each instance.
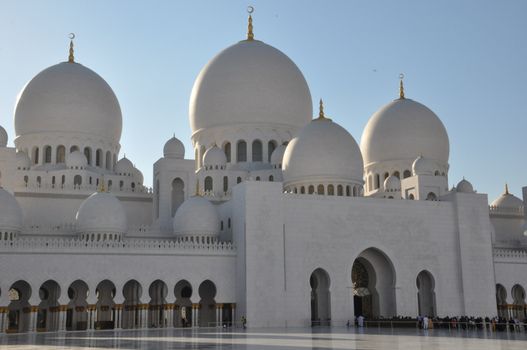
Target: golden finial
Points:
(71, 58)
(401, 86)
(321, 115)
(506, 188)
(250, 34)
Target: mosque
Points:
(280, 218)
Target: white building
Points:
(282, 219)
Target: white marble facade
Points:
(281, 218)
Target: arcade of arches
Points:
(154, 307)
(518, 307)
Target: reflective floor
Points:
(318, 338)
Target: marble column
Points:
(118, 322)
(92, 316)
(144, 315)
(195, 316)
(169, 312)
(218, 314)
(32, 318)
(62, 309)
(3, 319)
(233, 314)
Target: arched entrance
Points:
(373, 285)
(207, 304)
(178, 194)
(105, 305)
(19, 294)
(183, 308)
(156, 309)
(132, 292)
(425, 294)
(501, 300)
(320, 298)
(48, 315)
(77, 314)
(518, 298)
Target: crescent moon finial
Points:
(71, 36)
(401, 86)
(71, 57)
(250, 34)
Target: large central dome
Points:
(68, 98)
(250, 83)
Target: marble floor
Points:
(266, 339)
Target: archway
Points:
(518, 298)
(178, 194)
(207, 304)
(156, 309)
(501, 300)
(320, 298)
(77, 314)
(373, 281)
(132, 292)
(19, 294)
(105, 292)
(183, 309)
(425, 294)
(48, 315)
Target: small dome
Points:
(137, 175)
(392, 184)
(250, 82)
(10, 213)
(403, 130)
(76, 160)
(424, 166)
(3, 137)
(22, 160)
(124, 167)
(277, 156)
(174, 149)
(214, 156)
(101, 212)
(507, 200)
(196, 216)
(464, 186)
(322, 151)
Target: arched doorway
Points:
(373, 285)
(48, 315)
(183, 308)
(518, 298)
(156, 309)
(77, 314)
(105, 305)
(178, 194)
(320, 298)
(207, 304)
(19, 294)
(425, 294)
(132, 292)
(501, 300)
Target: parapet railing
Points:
(115, 188)
(517, 254)
(497, 210)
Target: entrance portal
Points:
(320, 298)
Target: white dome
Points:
(278, 155)
(392, 184)
(137, 175)
(322, 150)
(214, 156)
(22, 160)
(250, 83)
(464, 186)
(68, 98)
(403, 130)
(196, 216)
(3, 137)
(10, 213)
(174, 148)
(101, 212)
(124, 167)
(507, 200)
(76, 160)
(424, 166)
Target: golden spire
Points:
(250, 34)
(401, 86)
(321, 115)
(71, 57)
(506, 188)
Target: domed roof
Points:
(10, 213)
(404, 129)
(214, 156)
(174, 148)
(424, 166)
(196, 216)
(22, 160)
(76, 159)
(322, 149)
(278, 155)
(68, 97)
(507, 200)
(3, 137)
(392, 184)
(124, 167)
(137, 175)
(464, 186)
(250, 83)
(101, 212)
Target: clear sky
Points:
(465, 60)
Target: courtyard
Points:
(252, 339)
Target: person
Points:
(425, 322)
(244, 322)
(348, 324)
(360, 320)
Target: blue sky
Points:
(466, 60)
